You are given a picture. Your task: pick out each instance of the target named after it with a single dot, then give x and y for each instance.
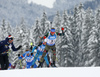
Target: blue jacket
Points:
(29, 59)
(4, 46)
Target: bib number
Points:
(29, 59)
(52, 41)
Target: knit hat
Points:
(52, 30)
(10, 37)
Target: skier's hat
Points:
(10, 37)
(28, 52)
(52, 29)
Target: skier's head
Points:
(10, 39)
(52, 31)
(27, 52)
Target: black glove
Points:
(18, 55)
(19, 47)
(31, 54)
(31, 47)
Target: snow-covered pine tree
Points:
(37, 32)
(9, 29)
(57, 22)
(65, 22)
(45, 24)
(96, 48)
(3, 30)
(88, 25)
(63, 47)
(80, 23)
(75, 37)
(92, 54)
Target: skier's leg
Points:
(27, 65)
(6, 62)
(46, 59)
(40, 64)
(35, 58)
(44, 53)
(2, 62)
(54, 55)
(35, 66)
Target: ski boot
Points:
(53, 64)
(48, 66)
(40, 65)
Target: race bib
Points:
(51, 41)
(29, 59)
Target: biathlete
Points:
(40, 49)
(29, 58)
(50, 44)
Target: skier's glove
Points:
(19, 47)
(44, 37)
(62, 28)
(18, 55)
(31, 47)
(31, 54)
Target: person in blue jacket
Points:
(40, 49)
(29, 59)
(5, 45)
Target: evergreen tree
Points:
(37, 32)
(57, 22)
(3, 33)
(91, 59)
(45, 25)
(88, 25)
(97, 44)
(75, 37)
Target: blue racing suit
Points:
(39, 53)
(29, 59)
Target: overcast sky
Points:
(47, 3)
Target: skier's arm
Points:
(40, 43)
(15, 49)
(31, 46)
(23, 55)
(20, 56)
(44, 37)
(35, 47)
(2, 43)
(61, 34)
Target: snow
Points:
(53, 72)
(64, 46)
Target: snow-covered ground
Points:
(53, 72)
